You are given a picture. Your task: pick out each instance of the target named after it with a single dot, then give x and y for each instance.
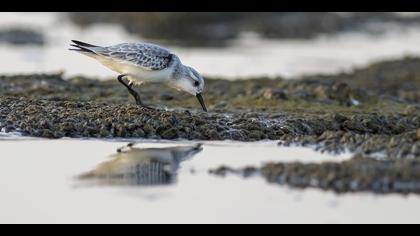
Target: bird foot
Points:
(146, 106)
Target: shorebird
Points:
(145, 62)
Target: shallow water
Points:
(247, 56)
(40, 183)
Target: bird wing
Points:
(147, 56)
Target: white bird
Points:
(145, 62)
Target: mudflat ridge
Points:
(373, 111)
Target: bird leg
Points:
(131, 90)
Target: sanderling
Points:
(145, 62)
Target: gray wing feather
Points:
(148, 56)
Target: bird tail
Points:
(82, 47)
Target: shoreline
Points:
(371, 111)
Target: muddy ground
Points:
(22, 36)
(372, 111)
(218, 28)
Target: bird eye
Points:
(196, 83)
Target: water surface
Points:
(246, 57)
(40, 183)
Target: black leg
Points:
(131, 90)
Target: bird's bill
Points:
(201, 100)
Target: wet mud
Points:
(372, 111)
(218, 29)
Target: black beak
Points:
(201, 100)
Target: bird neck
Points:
(178, 70)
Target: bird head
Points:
(189, 80)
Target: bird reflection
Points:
(142, 166)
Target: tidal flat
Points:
(372, 112)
